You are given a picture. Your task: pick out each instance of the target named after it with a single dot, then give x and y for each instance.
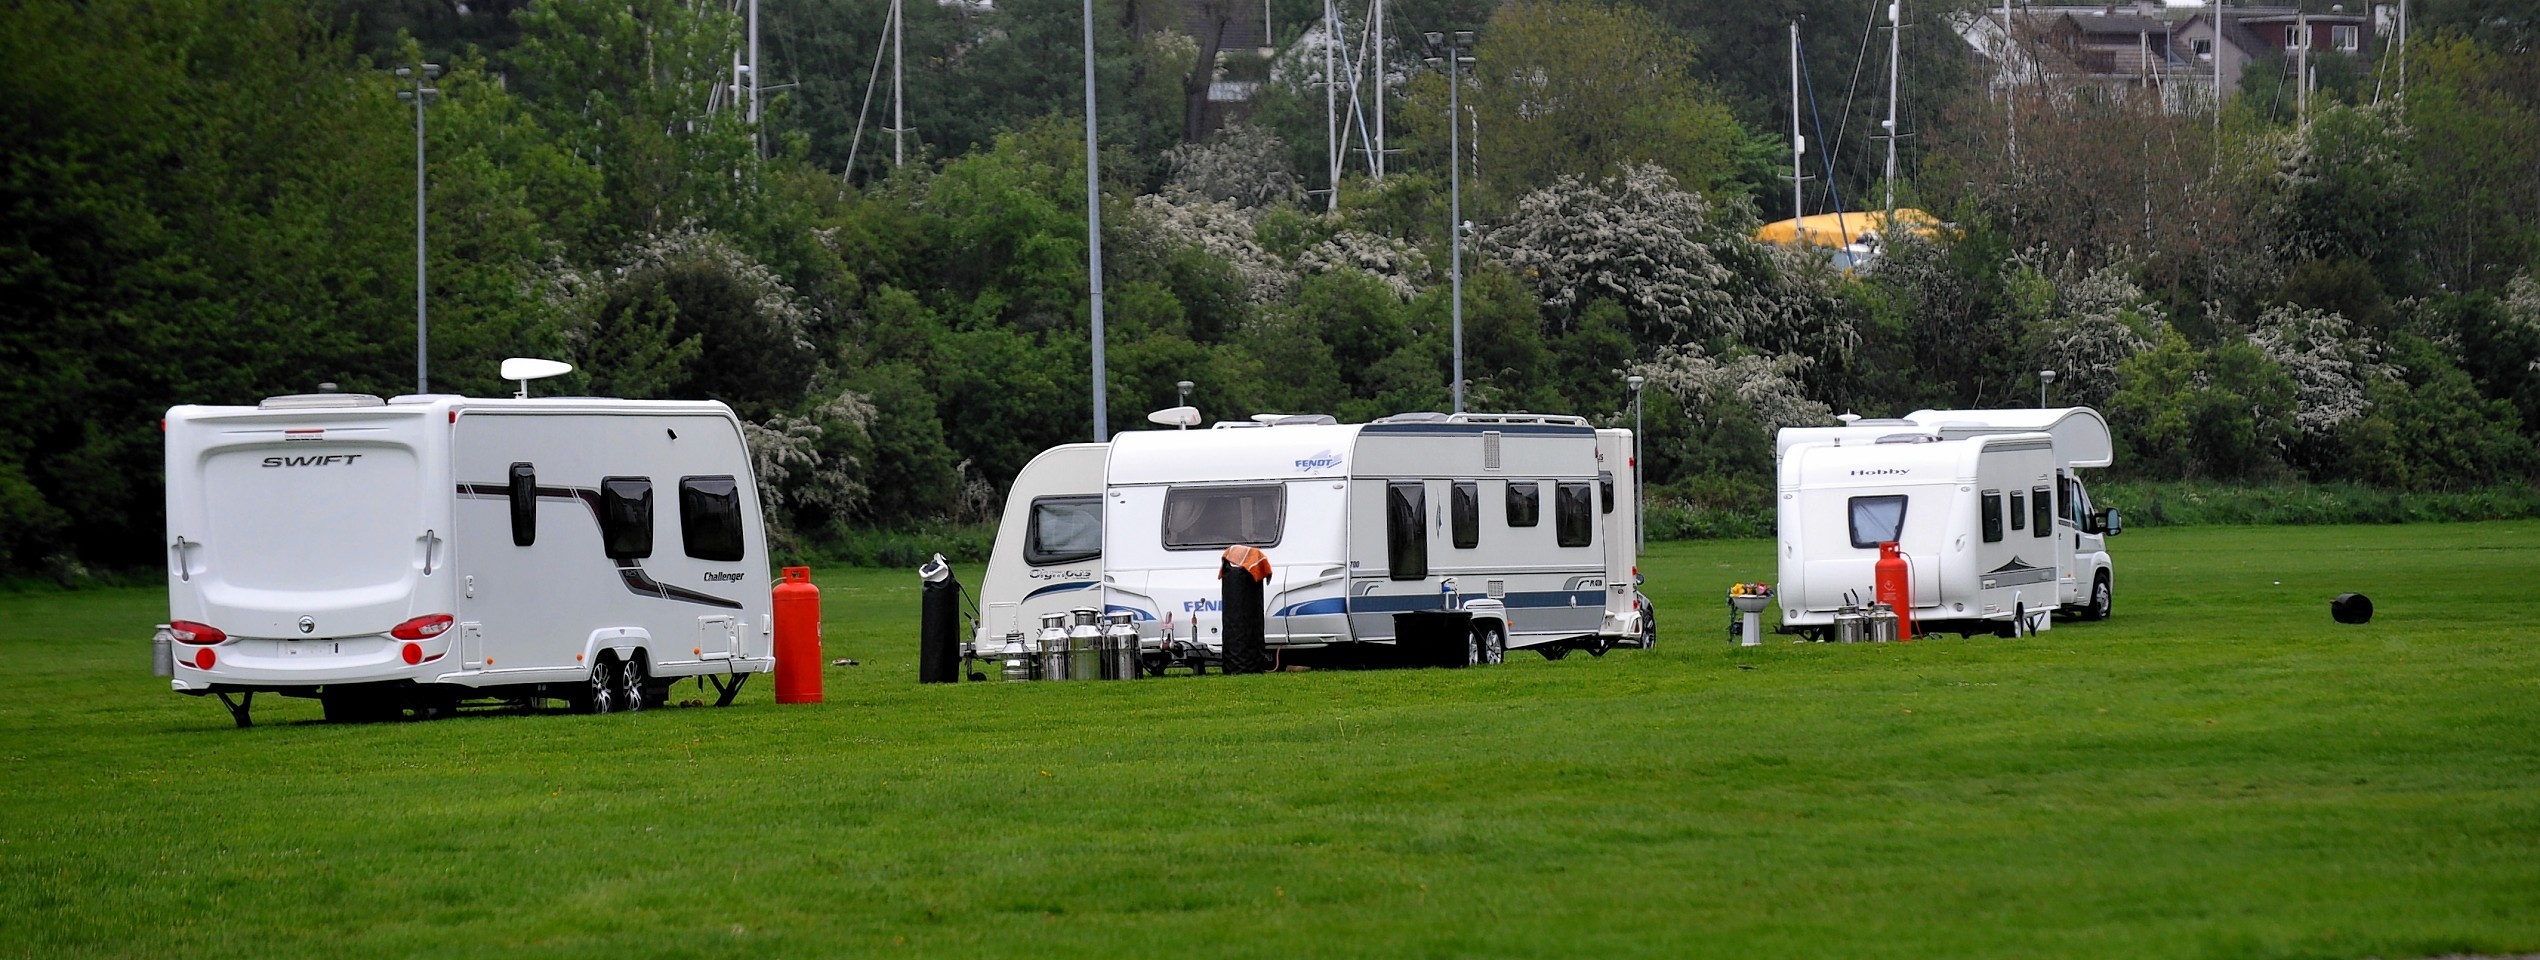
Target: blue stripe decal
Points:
(1139, 614)
(1311, 608)
(1058, 588)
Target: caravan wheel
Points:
(599, 692)
(630, 685)
(1648, 624)
(1491, 641)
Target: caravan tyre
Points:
(630, 685)
(1491, 643)
(1648, 624)
(2102, 599)
(599, 692)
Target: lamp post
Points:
(1093, 232)
(1454, 55)
(418, 96)
(2044, 377)
(1640, 537)
(1182, 396)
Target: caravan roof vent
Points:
(1424, 416)
(1909, 438)
(1883, 422)
(320, 401)
(1304, 420)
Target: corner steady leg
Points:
(726, 690)
(238, 708)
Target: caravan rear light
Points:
(203, 659)
(412, 653)
(422, 628)
(187, 631)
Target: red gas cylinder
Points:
(1895, 587)
(797, 638)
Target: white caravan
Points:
(1524, 521)
(1997, 532)
(417, 552)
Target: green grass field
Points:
(2220, 771)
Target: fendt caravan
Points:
(1997, 531)
(415, 553)
(1525, 522)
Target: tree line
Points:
(211, 201)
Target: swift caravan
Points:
(1997, 531)
(1523, 522)
(410, 554)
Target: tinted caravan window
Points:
(1464, 507)
(626, 517)
(1525, 503)
(1406, 530)
(2019, 510)
(2041, 512)
(1201, 517)
(1605, 491)
(524, 502)
(710, 517)
(1573, 514)
(1993, 516)
(1063, 530)
(1877, 520)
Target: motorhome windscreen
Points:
(1198, 518)
(1877, 520)
(1064, 530)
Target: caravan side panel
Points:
(1063, 489)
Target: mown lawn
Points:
(2221, 771)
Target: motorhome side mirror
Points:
(2110, 522)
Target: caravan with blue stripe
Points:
(1518, 529)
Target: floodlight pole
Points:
(421, 93)
(2044, 377)
(1454, 53)
(1182, 396)
(1093, 229)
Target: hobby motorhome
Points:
(413, 553)
(1523, 521)
(1998, 532)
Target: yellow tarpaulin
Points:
(1842, 229)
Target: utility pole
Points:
(2302, 71)
(2010, 103)
(1377, 66)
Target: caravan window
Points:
(1993, 516)
(524, 497)
(1525, 503)
(1877, 520)
(1605, 491)
(2019, 510)
(1201, 517)
(626, 517)
(2041, 501)
(1464, 507)
(710, 517)
(1573, 514)
(1063, 530)
(1407, 530)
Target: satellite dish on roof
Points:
(525, 369)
